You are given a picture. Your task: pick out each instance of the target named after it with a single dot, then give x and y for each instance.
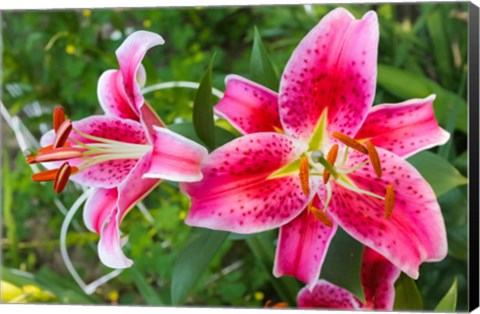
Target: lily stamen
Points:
(331, 158)
(61, 179)
(62, 134)
(374, 159)
(389, 200)
(321, 216)
(303, 174)
(350, 142)
(58, 118)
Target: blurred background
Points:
(56, 57)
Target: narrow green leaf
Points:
(146, 290)
(441, 175)
(262, 246)
(193, 260)
(8, 218)
(406, 85)
(187, 129)
(343, 264)
(203, 109)
(407, 296)
(262, 70)
(449, 301)
(441, 45)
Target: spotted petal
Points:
(110, 173)
(405, 128)
(236, 193)
(327, 295)
(378, 277)
(302, 247)
(249, 107)
(175, 157)
(333, 67)
(130, 192)
(415, 231)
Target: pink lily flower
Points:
(317, 155)
(123, 154)
(378, 277)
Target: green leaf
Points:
(449, 301)
(262, 70)
(203, 109)
(193, 260)
(146, 290)
(406, 85)
(262, 246)
(8, 217)
(187, 129)
(407, 296)
(458, 242)
(343, 264)
(441, 175)
(441, 45)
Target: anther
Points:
(47, 175)
(389, 200)
(62, 134)
(61, 179)
(321, 216)
(58, 118)
(303, 174)
(331, 158)
(350, 142)
(62, 153)
(374, 159)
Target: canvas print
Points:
(302, 156)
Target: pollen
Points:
(303, 174)
(331, 158)
(389, 201)
(322, 216)
(350, 142)
(374, 159)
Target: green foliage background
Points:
(56, 57)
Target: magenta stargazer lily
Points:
(123, 154)
(318, 155)
(378, 277)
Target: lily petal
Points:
(135, 187)
(236, 194)
(110, 245)
(333, 67)
(130, 55)
(132, 190)
(378, 277)
(248, 106)
(98, 208)
(302, 247)
(327, 295)
(415, 231)
(106, 174)
(112, 96)
(175, 157)
(404, 128)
